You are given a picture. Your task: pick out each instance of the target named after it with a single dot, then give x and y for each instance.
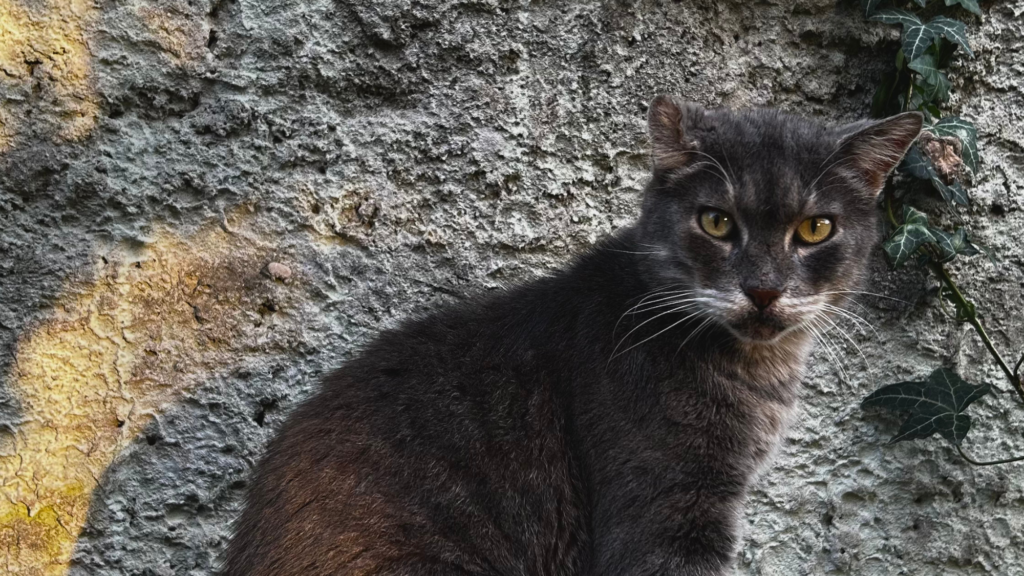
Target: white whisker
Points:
(656, 335)
(651, 319)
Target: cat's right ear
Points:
(874, 150)
(670, 122)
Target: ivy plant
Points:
(943, 161)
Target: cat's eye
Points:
(814, 230)
(716, 223)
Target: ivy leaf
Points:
(921, 3)
(914, 217)
(927, 67)
(988, 252)
(969, 5)
(952, 193)
(916, 40)
(907, 238)
(966, 132)
(952, 245)
(959, 194)
(917, 164)
(934, 405)
(903, 17)
(935, 92)
(869, 6)
(944, 244)
(954, 30)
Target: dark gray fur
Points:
(599, 421)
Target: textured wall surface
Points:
(204, 205)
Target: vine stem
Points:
(971, 317)
(990, 463)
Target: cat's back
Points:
(443, 442)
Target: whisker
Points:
(849, 315)
(853, 300)
(825, 171)
(728, 183)
(658, 289)
(867, 294)
(816, 330)
(722, 177)
(693, 334)
(630, 251)
(653, 304)
(656, 335)
(674, 294)
(661, 298)
(850, 340)
(641, 325)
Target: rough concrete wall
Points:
(205, 205)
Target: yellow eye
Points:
(814, 230)
(715, 223)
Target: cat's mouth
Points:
(749, 323)
(760, 326)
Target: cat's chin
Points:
(759, 330)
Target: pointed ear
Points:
(670, 120)
(872, 152)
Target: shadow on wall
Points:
(161, 320)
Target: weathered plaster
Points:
(156, 157)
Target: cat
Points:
(607, 419)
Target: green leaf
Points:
(869, 6)
(952, 245)
(905, 241)
(914, 217)
(944, 244)
(934, 405)
(917, 164)
(959, 194)
(926, 66)
(921, 3)
(896, 17)
(916, 40)
(988, 252)
(952, 193)
(934, 92)
(932, 111)
(969, 5)
(954, 31)
(966, 132)
(963, 245)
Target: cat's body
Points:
(606, 420)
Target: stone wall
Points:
(205, 205)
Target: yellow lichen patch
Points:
(45, 64)
(155, 320)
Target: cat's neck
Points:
(778, 362)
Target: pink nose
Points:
(762, 298)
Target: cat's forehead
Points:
(772, 159)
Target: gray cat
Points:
(605, 420)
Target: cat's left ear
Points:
(871, 153)
(670, 123)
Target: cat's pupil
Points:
(718, 220)
(814, 225)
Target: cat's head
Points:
(762, 220)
